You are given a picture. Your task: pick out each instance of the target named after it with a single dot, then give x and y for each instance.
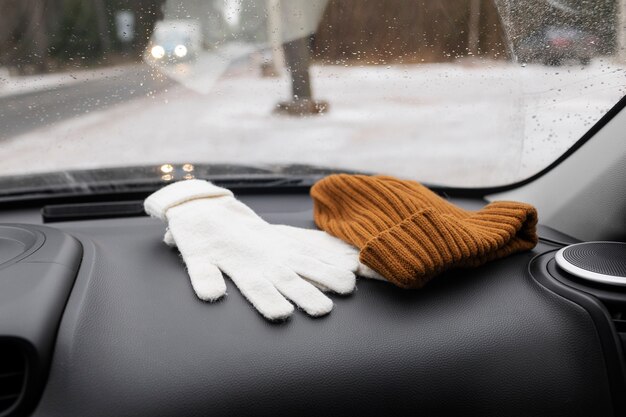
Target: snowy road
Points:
(455, 124)
(27, 105)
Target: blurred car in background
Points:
(556, 45)
(174, 41)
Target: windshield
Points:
(458, 93)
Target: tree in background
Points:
(78, 36)
(44, 35)
(396, 31)
(388, 31)
(25, 33)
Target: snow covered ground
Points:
(465, 123)
(14, 85)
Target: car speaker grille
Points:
(12, 376)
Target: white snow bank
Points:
(13, 85)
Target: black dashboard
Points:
(502, 339)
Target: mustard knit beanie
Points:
(409, 234)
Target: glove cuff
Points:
(157, 204)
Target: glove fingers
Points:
(367, 272)
(262, 294)
(206, 279)
(318, 285)
(322, 246)
(301, 292)
(335, 251)
(341, 281)
(315, 237)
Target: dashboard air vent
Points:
(12, 376)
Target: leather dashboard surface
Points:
(135, 341)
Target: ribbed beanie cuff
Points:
(427, 243)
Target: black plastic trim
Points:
(613, 296)
(608, 336)
(90, 211)
(39, 200)
(41, 279)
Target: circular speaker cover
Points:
(603, 262)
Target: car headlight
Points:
(157, 52)
(180, 51)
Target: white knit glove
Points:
(269, 264)
(319, 239)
